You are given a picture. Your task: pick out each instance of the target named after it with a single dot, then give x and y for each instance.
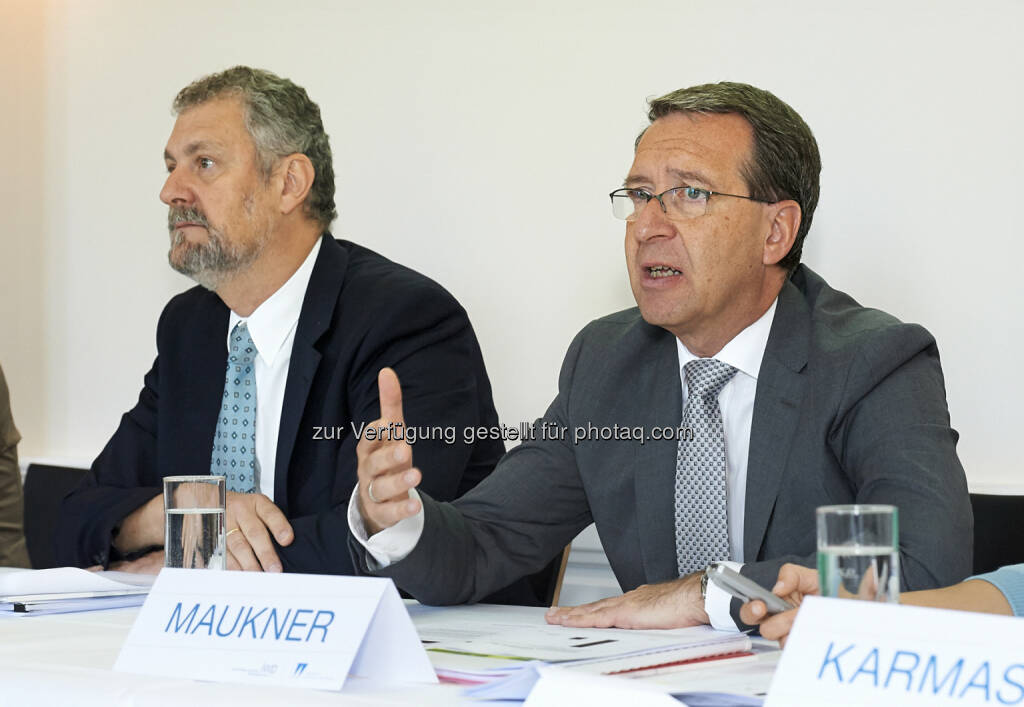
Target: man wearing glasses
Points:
(786, 395)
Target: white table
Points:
(66, 660)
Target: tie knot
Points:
(241, 348)
(707, 376)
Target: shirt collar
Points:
(272, 322)
(745, 350)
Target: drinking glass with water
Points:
(858, 552)
(194, 522)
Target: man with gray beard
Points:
(206, 263)
(285, 335)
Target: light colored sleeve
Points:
(391, 544)
(1010, 581)
(717, 602)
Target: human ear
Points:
(784, 225)
(298, 176)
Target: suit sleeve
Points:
(427, 339)
(122, 478)
(510, 525)
(893, 439)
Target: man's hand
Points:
(385, 470)
(674, 604)
(143, 527)
(249, 518)
(795, 582)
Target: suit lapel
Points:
(780, 390)
(658, 394)
(205, 386)
(317, 310)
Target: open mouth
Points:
(657, 271)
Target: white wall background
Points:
(475, 141)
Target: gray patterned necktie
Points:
(234, 442)
(702, 527)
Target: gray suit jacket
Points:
(850, 408)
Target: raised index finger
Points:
(390, 396)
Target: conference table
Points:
(67, 659)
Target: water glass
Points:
(858, 552)
(194, 522)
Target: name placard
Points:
(848, 652)
(274, 629)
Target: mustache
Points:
(185, 214)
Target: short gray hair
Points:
(785, 163)
(281, 120)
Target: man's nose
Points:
(176, 191)
(652, 222)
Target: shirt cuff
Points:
(717, 602)
(391, 544)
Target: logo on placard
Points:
(300, 668)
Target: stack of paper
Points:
(68, 589)
(607, 650)
(505, 657)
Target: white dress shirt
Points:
(272, 327)
(736, 400)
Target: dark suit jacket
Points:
(361, 312)
(850, 407)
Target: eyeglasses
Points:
(681, 202)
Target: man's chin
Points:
(660, 317)
(181, 252)
(211, 264)
(210, 279)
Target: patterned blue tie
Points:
(702, 519)
(234, 442)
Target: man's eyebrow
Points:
(194, 147)
(688, 176)
(684, 176)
